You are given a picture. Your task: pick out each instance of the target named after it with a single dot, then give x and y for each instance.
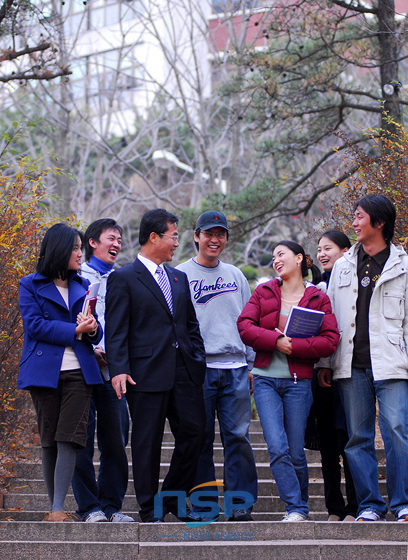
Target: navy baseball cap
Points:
(211, 219)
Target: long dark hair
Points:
(297, 250)
(56, 249)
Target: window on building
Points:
(220, 6)
(95, 14)
(104, 78)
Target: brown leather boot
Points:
(59, 515)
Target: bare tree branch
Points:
(5, 9)
(46, 75)
(355, 6)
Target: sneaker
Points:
(403, 514)
(294, 516)
(241, 515)
(95, 517)
(369, 515)
(119, 517)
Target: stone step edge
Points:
(21, 483)
(314, 517)
(292, 543)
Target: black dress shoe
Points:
(241, 515)
(191, 517)
(196, 517)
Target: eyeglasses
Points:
(210, 234)
(175, 238)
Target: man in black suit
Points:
(156, 356)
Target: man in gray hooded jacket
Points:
(369, 294)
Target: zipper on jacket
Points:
(294, 378)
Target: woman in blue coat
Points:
(57, 366)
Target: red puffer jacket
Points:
(260, 317)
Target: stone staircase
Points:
(24, 537)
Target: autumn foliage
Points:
(22, 218)
(382, 169)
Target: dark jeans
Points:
(226, 394)
(283, 407)
(110, 417)
(328, 408)
(359, 394)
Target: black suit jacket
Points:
(142, 335)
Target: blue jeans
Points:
(283, 407)
(226, 392)
(110, 417)
(359, 394)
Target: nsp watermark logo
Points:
(201, 497)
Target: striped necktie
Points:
(164, 284)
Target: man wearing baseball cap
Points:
(219, 292)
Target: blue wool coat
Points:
(49, 327)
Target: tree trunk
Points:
(64, 184)
(388, 60)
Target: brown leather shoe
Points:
(59, 515)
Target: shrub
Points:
(22, 219)
(249, 272)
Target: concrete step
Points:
(35, 531)
(275, 550)
(39, 502)
(260, 453)
(171, 532)
(265, 487)
(29, 516)
(32, 470)
(20, 515)
(250, 550)
(24, 537)
(258, 540)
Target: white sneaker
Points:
(403, 514)
(95, 517)
(370, 515)
(119, 517)
(294, 516)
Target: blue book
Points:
(303, 322)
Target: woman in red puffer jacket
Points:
(284, 367)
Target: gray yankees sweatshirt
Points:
(219, 295)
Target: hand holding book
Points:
(88, 309)
(284, 343)
(86, 324)
(303, 322)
